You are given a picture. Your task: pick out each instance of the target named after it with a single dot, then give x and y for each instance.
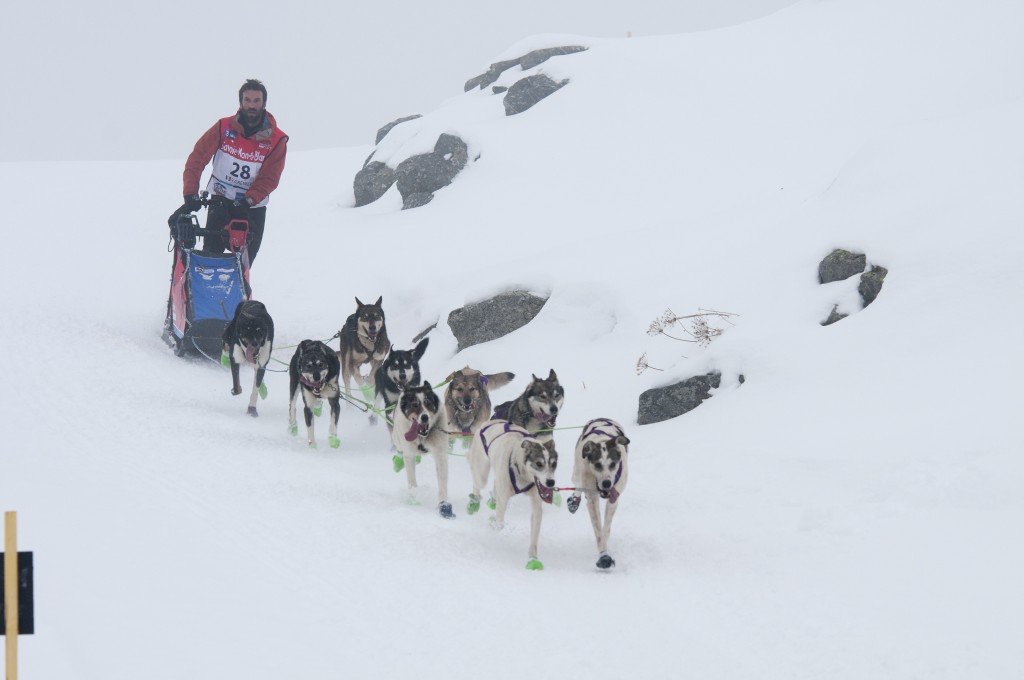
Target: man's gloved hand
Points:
(193, 202)
(240, 208)
(173, 219)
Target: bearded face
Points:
(252, 107)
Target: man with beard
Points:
(248, 152)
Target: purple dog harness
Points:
(506, 427)
(593, 428)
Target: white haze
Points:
(851, 510)
(138, 81)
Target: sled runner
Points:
(205, 289)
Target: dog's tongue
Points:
(546, 493)
(250, 354)
(613, 495)
(414, 431)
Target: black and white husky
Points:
(249, 339)
(314, 370)
(522, 464)
(600, 469)
(536, 409)
(400, 370)
(421, 427)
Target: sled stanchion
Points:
(11, 593)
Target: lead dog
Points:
(600, 468)
(536, 408)
(522, 465)
(363, 340)
(467, 400)
(421, 427)
(313, 370)
(249, 339)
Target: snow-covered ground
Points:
(852, 510)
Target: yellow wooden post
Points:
(11, 592)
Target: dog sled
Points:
(205, 289)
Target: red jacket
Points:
(270, 173)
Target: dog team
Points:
(515, 441)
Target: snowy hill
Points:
(849, 511)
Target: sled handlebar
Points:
(185, 229)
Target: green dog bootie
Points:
(398, 462)
(534, 564)
(225, 361)
(368, 393)
(262, 390)
(333, 441)
(293, 429)
(556, 499)
(474, 504)
(318, 408)
(491, 504)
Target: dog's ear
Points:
(622, 440)
(426, 383)
(420, 348)
(551, 376)
(550, 446)
(379, 300)
(358, 303)
(531, 446)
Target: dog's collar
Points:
(512, 467)
(515, 487)
(613, 493)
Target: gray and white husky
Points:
(601, 470)
(522, 465)
(537, 408)
(421, 427)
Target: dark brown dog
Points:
(363, 340)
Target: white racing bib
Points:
(237, 163)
